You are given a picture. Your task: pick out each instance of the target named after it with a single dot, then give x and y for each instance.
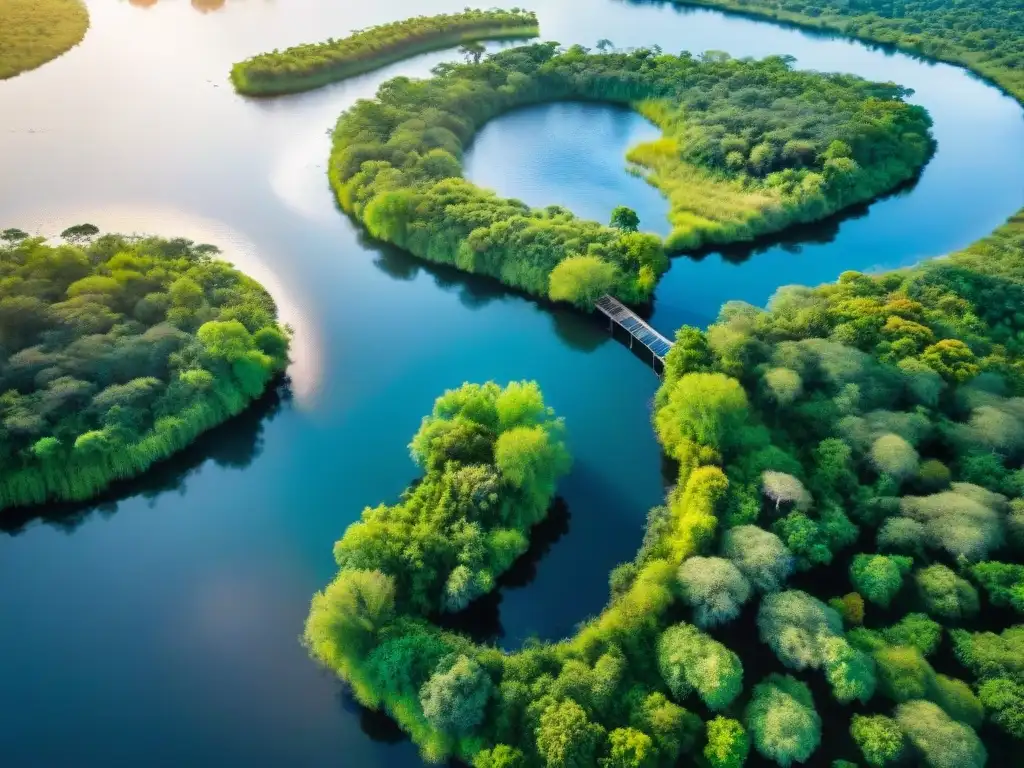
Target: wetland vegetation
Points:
(116, 352)
(304, 67)
(32, 32)
(749, 147)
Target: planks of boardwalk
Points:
(619, 314)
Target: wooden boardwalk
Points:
(619, 314)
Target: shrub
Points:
(759, 555)
(690, 660)
(880, 739)
(454, 697)
(944, 594)
(1004, 699)
(879, 577)
(940, 741)
(727, 743)
(894, 456)
(566, 738)
(714, 588)
(1004, 583)
(795, 626)
(782, 720)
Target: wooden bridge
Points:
(619, 314)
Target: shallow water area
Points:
(160, 626)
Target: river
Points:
(159, 627)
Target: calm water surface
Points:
(160, 627)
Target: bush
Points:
(880, 739)
(879, 577)
(714, 588)
(795, 626)
(759, 555)
(782, 720)
(940, 741)
(1004, 700)
(944, 594)
(727, 743)
(455, 696)
(690, 660)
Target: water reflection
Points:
(234, 444)
(203, 6)
(481, 620)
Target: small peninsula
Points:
(304, 67)
(32, 32)
(748, 148)
(118, 351)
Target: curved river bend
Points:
(160, 627)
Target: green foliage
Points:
(582, 280)
(116, 352)
(692, 661)
(1004, 700)
(1004, 583)
(629, 748)
(727, 743)
(989, 655)
(714, 588)
(32, 32)
(706, 409)
(502, 756)
(782, 720)
(566, 738)
(850, 672)
(915, 630)
(454, 697)
(879, 577)
(940, 741)
(944, 594)
(303, 67)
(396, 160)
(625, 219)
(903, 674)
(796, 626)
(880, 739)
(759, 555)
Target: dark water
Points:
(160, 627)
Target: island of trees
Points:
(839, 563)
(749, 147)
(32, 32)
(309, 66)
(116, 352)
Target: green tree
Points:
(566, 738)
(714, 588)
(629, 748)
(625, 219)
(940, 741)
(727, 743)
(880, 739)
(691, 660)
(879, 577)
(455, 696)
(782, 720)
(582, 280)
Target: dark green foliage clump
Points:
(783, 146)
(117, 352)
(304, 67)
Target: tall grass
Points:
(32, 32)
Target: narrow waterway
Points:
(160, 627)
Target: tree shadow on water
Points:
(477, 291)
(481, 619)
(235, 444)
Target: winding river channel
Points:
(161, 626)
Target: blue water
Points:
(160, 627)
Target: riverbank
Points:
(33, 32)
(305, 67)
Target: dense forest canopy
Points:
(850, 496)
(117, 351)
(303, 67)
(32, 32)
(749, 147)
(985, 35)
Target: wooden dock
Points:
(621, 315)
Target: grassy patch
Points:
(32, 32)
